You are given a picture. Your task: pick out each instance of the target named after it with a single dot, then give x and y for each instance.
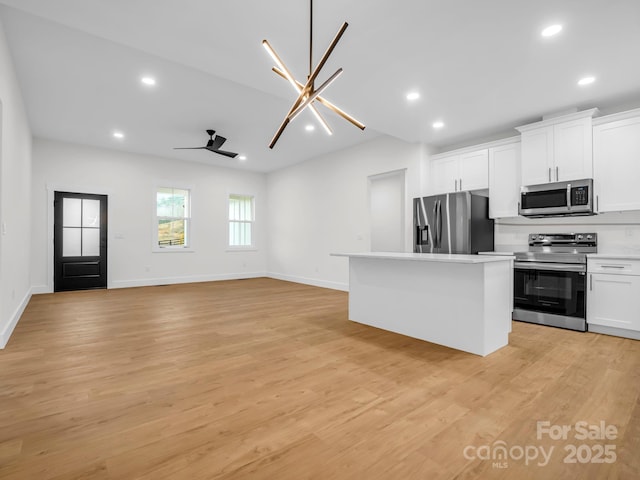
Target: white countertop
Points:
(614, 256)
(427, 257)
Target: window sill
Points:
(241, 249)
(173, 250)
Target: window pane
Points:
(71, 238)
(90, 242)
(172, 202)
(240, 207)
(171, 232)
(90, 213)
(71, 212)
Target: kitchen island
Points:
(459, 301)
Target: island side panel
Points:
(498, 304)
(438, 302)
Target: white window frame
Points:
(252, 222)
(188, 247)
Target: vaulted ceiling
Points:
(481, 67)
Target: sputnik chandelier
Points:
(308, 94)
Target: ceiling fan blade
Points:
(188, 148)
(226, 154)
(217, 142)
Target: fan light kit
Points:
(307, 92)
(213, 145)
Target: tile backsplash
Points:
(618, 232)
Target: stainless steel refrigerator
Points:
(452, 223)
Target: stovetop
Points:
(559, 247)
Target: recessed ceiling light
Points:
(413, 96)
(586, 81)
(118, 135)
(242, 157)
(551, 30)
(309, 128)
(148, 81)
(438, 124)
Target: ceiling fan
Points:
(213, 145)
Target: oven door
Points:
(554, 288)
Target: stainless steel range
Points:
(549, 279)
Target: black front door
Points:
(79, 241)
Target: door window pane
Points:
(71, 242)
(71, 212)
(90, 242)
(90, 213)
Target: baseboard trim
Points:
(151, 282)
(13, 321)
(41, 289)
(310, 281)
(617, 332)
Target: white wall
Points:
(321, 206)
(130, 181)
(15, 197)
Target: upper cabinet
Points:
(557, 149)
(616, 162)
(459, 172)
(504, 180)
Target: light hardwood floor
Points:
(268, 379)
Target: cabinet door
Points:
(537, 156)
(616, 165)
(445, 174)
(614, 301)
(474, 170)
(504, 181)
(572, 150)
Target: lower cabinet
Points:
(613, 297)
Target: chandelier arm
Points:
(325, 57)
(286, 120)
(340, 112)
(314, 94)
(326, 103)
(298, 86)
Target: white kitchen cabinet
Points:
(474, 170)
(557, 149)
(504, 180)
(616, 164)
(445, 173)
(460, 172)
(613, 297)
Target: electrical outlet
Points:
(147, 268)
(628, 232)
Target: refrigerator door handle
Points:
(435, 224)
(439, 223)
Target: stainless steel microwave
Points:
(557, 199)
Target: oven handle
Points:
(558, 267)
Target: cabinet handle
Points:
(612, 266)
(460, 184)
(597, 203)
(591, 282)
(549, 173)
(557, 176)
